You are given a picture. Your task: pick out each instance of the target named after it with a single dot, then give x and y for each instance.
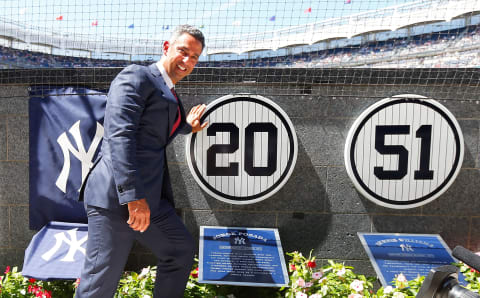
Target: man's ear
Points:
(166, 45)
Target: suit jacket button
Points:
(120, 189)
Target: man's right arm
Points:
(125, 105)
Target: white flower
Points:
(317, 275)
(401, 278)
(324, 290)
(341, 272)
(388, 290)
(315, 296)
(398, 295)
(357, 285)
(355, 296)
(146, 296)
(301, 282)
(301, 295)
(308, 284)
(144, 273)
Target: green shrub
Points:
(307, 280)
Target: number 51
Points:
(424, 133)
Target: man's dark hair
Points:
(193, 31)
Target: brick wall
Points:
(318, 208)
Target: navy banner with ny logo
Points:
(66, 129)
(57, 251)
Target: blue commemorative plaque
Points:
(241, 256)
(409, 254)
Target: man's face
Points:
(181, 56)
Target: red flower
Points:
(311, 264)
(31, 280)
(30, 289)
(194, 273)
(292, 267)
(77, 282)
(7, 269)
(48, 294)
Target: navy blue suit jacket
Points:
(132, 165)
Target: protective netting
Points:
(244, 34)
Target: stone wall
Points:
(318, 208)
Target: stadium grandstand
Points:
(432, 34)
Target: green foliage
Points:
(332, 280)
(307, 280)
(472, 277)
(403, 288)
(133, 284)
(196, 290)
(13, 284)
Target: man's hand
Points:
(194, 116)
(139, 215)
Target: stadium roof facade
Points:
(382, 20)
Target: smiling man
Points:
(175, 59)
(127, 194)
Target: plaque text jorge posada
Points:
(240, 233)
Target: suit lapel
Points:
(161, 85)
(173, 104)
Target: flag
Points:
(272, 18)
(131, 26)
(348, 1)
(308, 10)
(59, 18)
(95, 23)
(65, 130)
(57, 251)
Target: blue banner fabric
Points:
(66, 129)
(57, 251)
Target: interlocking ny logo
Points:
(75, 245)
(86, 157)
(406, 247)
(239, 241)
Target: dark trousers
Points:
(110, 240)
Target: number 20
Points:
(249, 167)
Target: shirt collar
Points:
(165, 76)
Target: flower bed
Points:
(307, 280)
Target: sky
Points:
(156, 18)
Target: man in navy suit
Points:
(127, 194)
